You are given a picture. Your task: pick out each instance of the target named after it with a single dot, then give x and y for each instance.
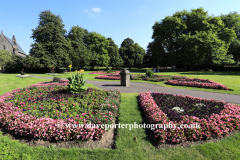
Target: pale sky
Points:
(118, 19)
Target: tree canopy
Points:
(50, 45)
(98, 45)
(113, 52)
(191, 39)
(80, 56)
(232, 21)
(131, 53)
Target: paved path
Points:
(137, 87)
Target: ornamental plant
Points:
(70, 66)
(149, 73)
(109, 71)
(195, 82)
(45, 110)
(215, 118)
(76, 83)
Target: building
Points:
(11, 45)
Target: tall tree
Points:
(50, 45)
(81, 55)
(126, 51)
(113, 52)
(192, 39)
(98, 45)
(232, 21)
(139, 55)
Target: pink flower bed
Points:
(216, 125)
(14, 120)
(111, 77)
(103, 72)
(194, 82)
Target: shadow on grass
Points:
(212, 73)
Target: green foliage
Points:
(76, 83)
(113, 53)
(55, 79)
(98, 45)
(149, 73)
(15, 65)
(131, 53)
(191, 39)
(109, 71)
(232, 21)
(5, 57)
(81, 55)
(50, 48)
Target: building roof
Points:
(19, 48)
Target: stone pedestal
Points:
(125, 78)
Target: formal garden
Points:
(51, 109)
(31, 107)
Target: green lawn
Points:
(230, 79)
(126, 147)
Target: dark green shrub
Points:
(149, 73)
(55, 79)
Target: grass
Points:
(230, 79)
(126, 146)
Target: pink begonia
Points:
(193, 83)
(217, 125)
(46, 128)
(102, 72)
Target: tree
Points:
(126, 51)
(139, 55)
(113, 52)
(98, 45)
(5, 58)
(80, 56)
(32, 62)
(232, 21)
(192, 39)
(50, 45)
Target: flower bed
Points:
(195, 82)
(110, 77)
(45, 110)
(155, 78)
(216, 118)
(103, 72)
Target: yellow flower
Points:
(70, 66)
(70, 74)
(81, 71)
(75, 70)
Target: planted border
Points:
(12, 119)
(103, 72)
(217, 125)
(110, 77)
(195, 82)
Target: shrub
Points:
(149, 73)
(55, 79)
(76, 83)
(109, 71)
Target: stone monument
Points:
(125, 78)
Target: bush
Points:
(55, 79)
(76, 83)
(109, 71)
(149, 73)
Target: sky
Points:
(118, 19)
